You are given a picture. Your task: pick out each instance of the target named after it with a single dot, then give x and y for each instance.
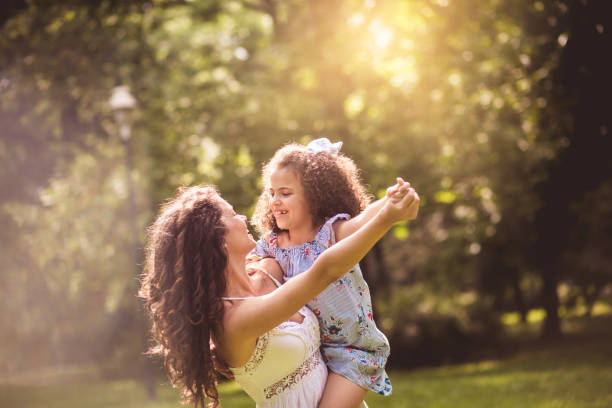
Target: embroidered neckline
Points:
(290, 380)
(291, 323)
(262, 342)
(258, 354)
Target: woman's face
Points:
(238, 239)
(287, 200)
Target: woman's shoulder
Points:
(235, 347)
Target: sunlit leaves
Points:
(401, 231)
(207, 152)
(449, 95)
(75, 238)
(445, 196)
(353, 105)
(306, 78)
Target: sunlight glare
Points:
(356, 20)
(382, 34)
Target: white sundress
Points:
(286, 368)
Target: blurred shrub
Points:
(426, 328)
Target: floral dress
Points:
(351, 343)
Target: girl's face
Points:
(238, 239)
(287, 200)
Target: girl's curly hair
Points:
(331, 185)
(182, 284)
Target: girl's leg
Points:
(341, 393)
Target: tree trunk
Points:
(550, 298)
(519, 298)
(375, 273)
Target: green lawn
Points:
(554, 377)
(115, 394)
(573, 373)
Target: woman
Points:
(198, 292)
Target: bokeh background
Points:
(498, 112)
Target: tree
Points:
(482, 106)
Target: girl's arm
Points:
(343, 229)
(254, 317)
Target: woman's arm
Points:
(258, 315)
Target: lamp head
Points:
(122, 104)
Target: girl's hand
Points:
(397, 191)
(343, 229)
(402, 204)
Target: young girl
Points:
(312, 199)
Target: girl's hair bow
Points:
(324, 145)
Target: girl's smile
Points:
(287, 201)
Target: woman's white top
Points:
(286, 368)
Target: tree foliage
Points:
(495, 111)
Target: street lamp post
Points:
(123, 104)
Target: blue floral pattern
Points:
(351, 343)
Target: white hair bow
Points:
(324, 145)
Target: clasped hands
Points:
(402, 201)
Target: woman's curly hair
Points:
(331, 185)
(182, 284)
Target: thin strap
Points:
(278, 284)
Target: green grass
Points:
(559, 376)
(115, 394)
(573, 373)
